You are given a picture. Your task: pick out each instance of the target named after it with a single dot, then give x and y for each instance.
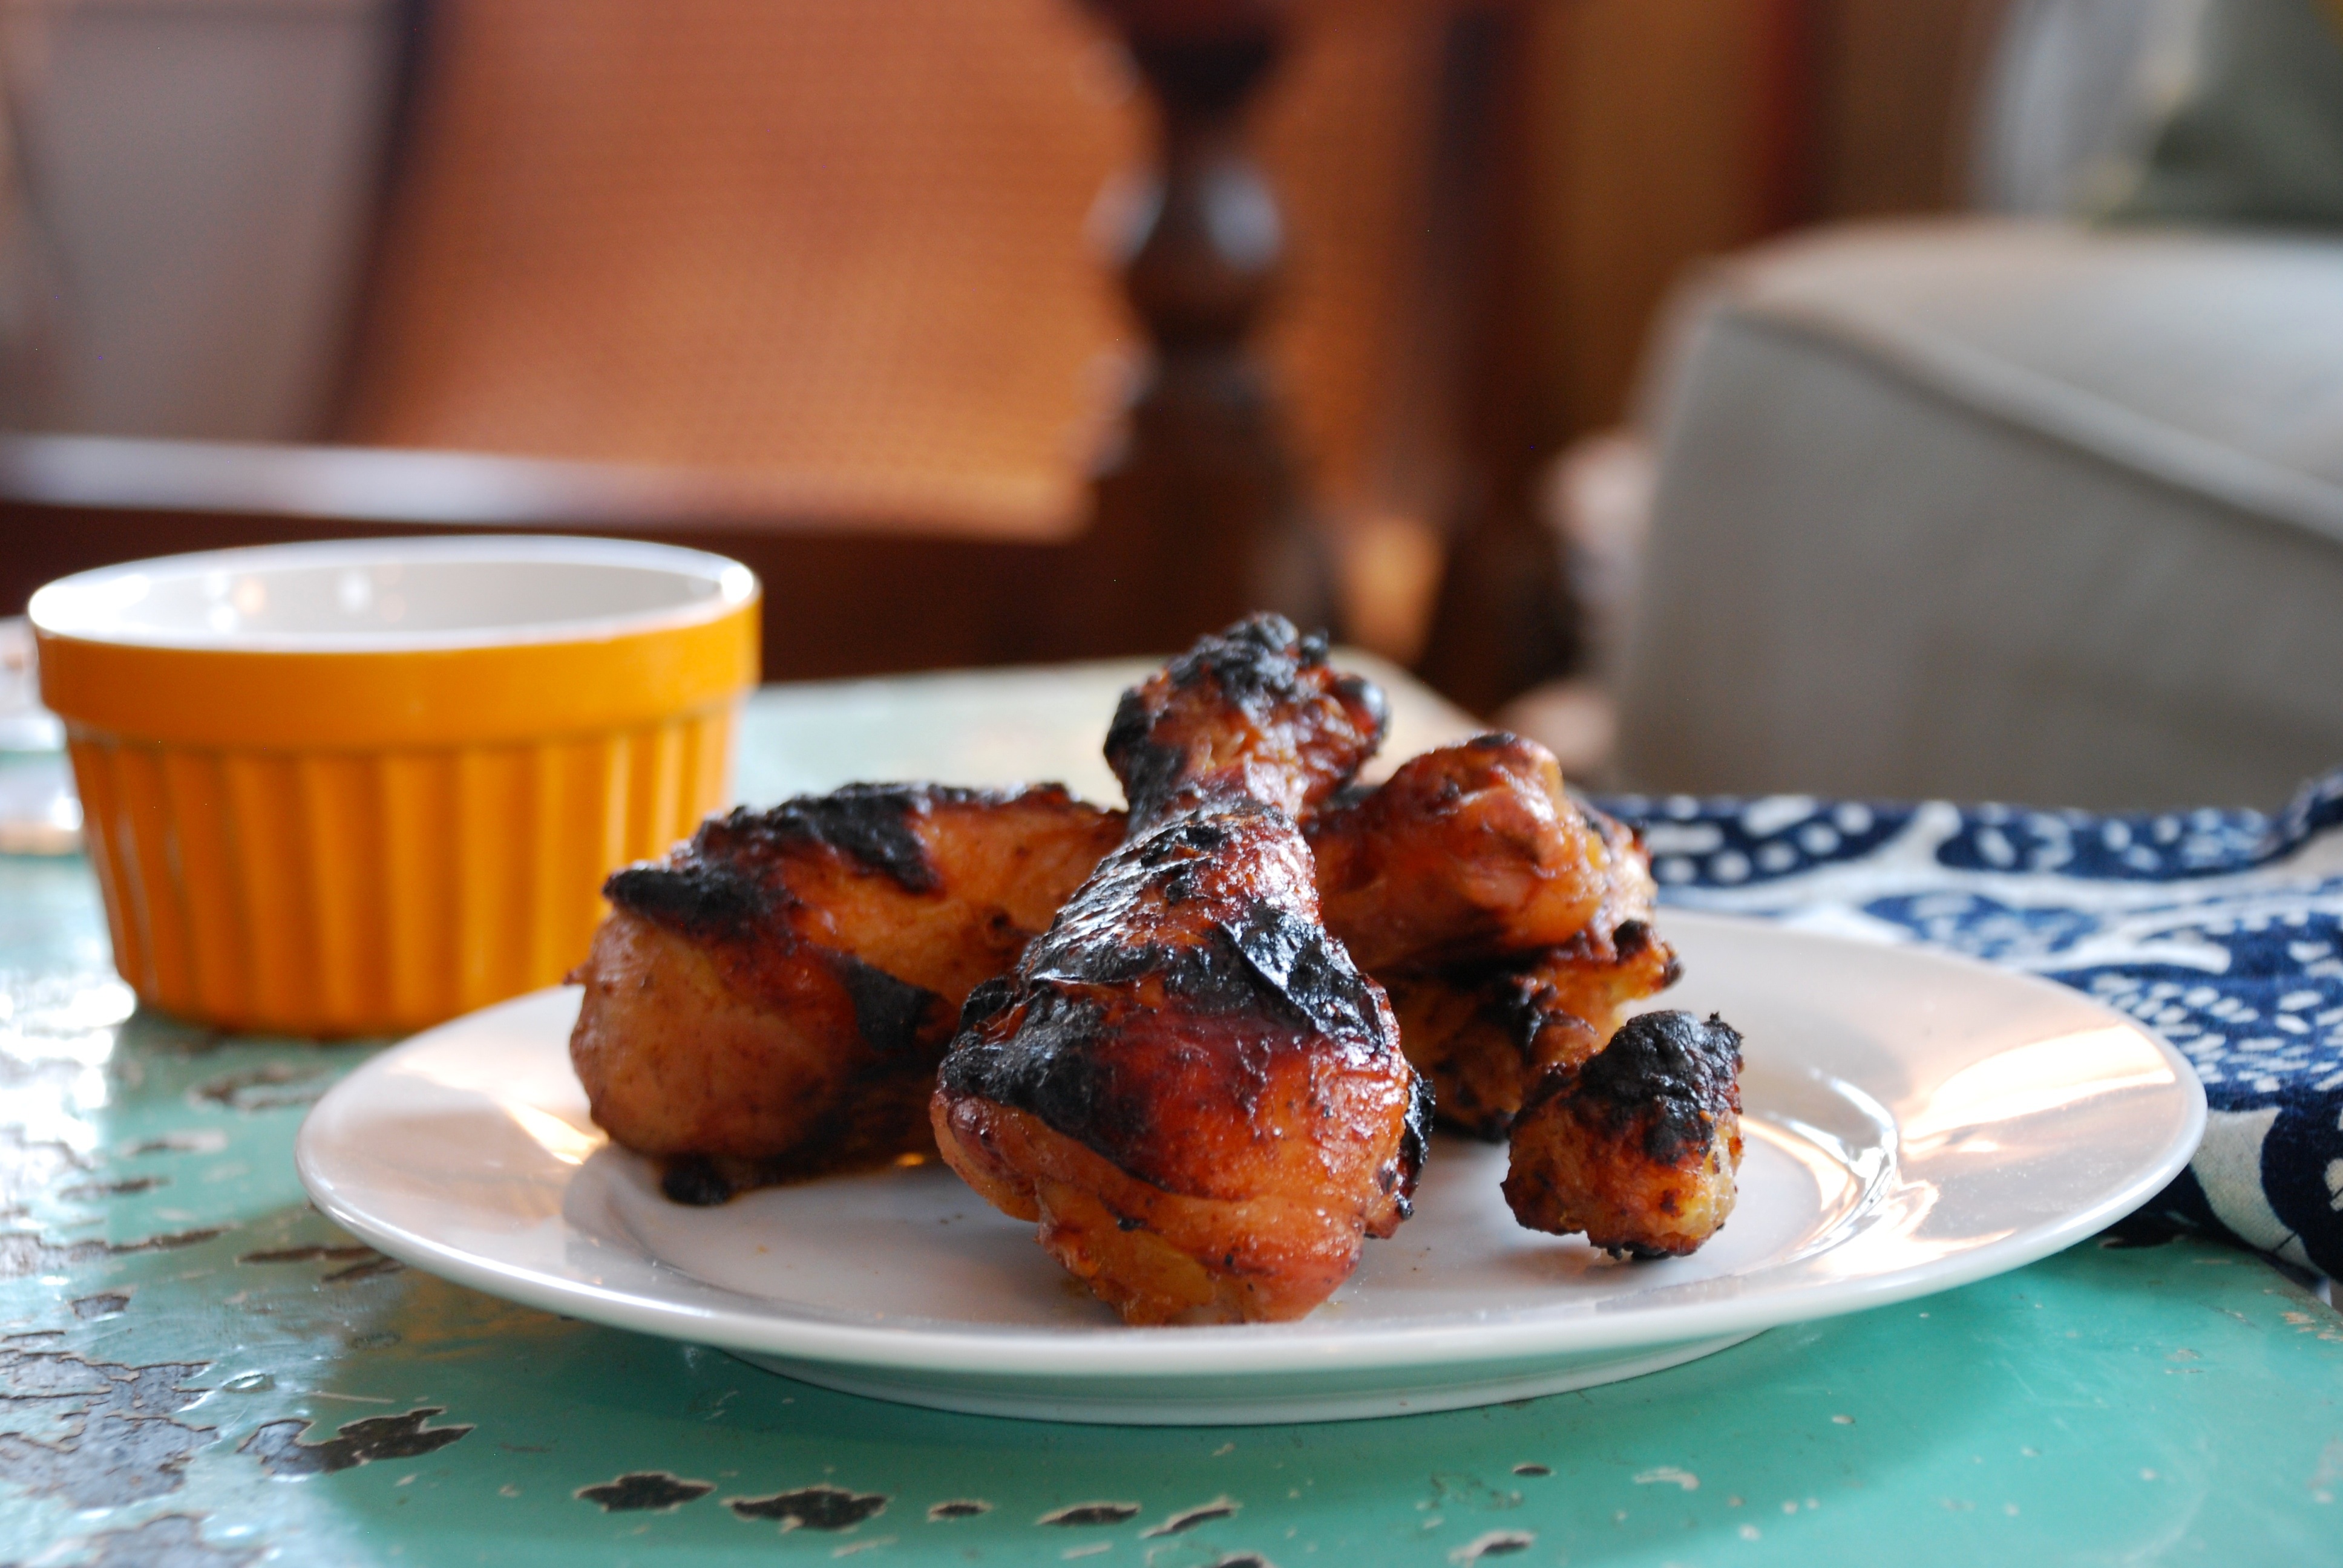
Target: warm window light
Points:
(568, 1145)
(2044, 1076)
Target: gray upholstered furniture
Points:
(1998, 507)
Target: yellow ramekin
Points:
(363, 786)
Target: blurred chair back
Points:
(815, 284)
(842, 247)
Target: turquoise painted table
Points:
(198, 1371)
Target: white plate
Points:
(1915, 1122)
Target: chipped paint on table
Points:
(197, 1370)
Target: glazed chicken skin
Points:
(1469, 853)
(1186, 1081)
(1510, 922)
(1639, 1146)
(770, 1000)
(1254, 713)
(1477, 838)
(1188, 1084)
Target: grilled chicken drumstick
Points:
(770, 1000)
(1467, 853)
(1510, 922)
(1512, 928)
(1640, 1145)
(1255, 713)
(715, 1033)
(1186, 1081)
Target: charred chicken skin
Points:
(1186, 1081)
(1188, 1084)
(1255, 713)
(771, 1000)
(1488, 1033)
(1477, 839)
(1510, 922)
(1638, 1146)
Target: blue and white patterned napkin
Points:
(2222, 931)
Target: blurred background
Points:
(1873, 397)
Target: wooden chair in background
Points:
(829, 288)
(823, 284)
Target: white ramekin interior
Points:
(366, 595)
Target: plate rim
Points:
(1043, 1354)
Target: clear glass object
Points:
(39, 813)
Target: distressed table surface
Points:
(198, 1371)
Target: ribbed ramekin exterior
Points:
(373, 893)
